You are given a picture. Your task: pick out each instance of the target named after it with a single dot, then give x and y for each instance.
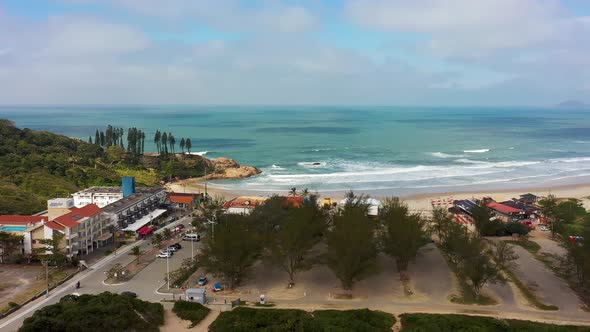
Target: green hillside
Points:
(38, 165)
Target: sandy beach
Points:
(421, 202)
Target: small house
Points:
(374, 205)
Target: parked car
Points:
(202, 281)
(164, 254)
(128, 293)
(172, 249)
(579, 240)
(192, 237)
(177, 246)
(544, 228)
(180, 227)
(217, 287)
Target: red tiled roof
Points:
(54, 225)
(503, 208)
(21, 220)
(71, 219)
(187, 200)
(245, 202)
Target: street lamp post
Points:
(168, 270)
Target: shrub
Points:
(354, 320)
(195, 312)
(463, 323)
(516, 227)
(248, 319)
(102, 312)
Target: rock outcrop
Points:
(226, 168)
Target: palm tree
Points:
(182, 142)
(157, 239)
(188, 145)
(293, 191)
(305, 192)
(157, 140)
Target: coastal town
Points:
(151, 243)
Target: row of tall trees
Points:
(166, 143)
(112, 136)
(135, 141)
(570, 225)
(290, 238)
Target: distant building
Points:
(506, 213)
(243, 204)
(21, 225)
(529, 199)
(85, 229)
(184, 200)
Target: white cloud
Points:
(467, 28)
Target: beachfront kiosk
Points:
(198, 295)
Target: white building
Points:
(103, 196)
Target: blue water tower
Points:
(128, 186)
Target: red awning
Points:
(142, 229)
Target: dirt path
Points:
(204, 324)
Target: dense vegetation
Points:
(248, 319)
(286, 236)
(463, 323)
(102, 312)
(195, 312)
(38, 165)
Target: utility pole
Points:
(46, 263)
(206, 180)
(193, 250)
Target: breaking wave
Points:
(477, 151)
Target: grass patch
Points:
(195, 312)
(250, 319)
(530, 246)
(443, 323)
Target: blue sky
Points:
(397, 52)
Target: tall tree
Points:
(158, 140)
(90, 139)
(289, 247)
(549, 207)
(182, 142)
(9, 243)
(402, 234)
(53, 251)
(142, 142)
(102, 139)
(188, 145)
(351, 246)
(97, 138)
(440, 222)
(136, 251)
(165, 143)
(232, 251)
(486, 224)
(172, 142)
(475, 266)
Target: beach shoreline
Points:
(417, 202)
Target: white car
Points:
(544, 228)
(164, 254)
(172, 249)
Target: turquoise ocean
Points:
(377, 150)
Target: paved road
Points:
(144, 284)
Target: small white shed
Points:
(198, 295)
(374, 205)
